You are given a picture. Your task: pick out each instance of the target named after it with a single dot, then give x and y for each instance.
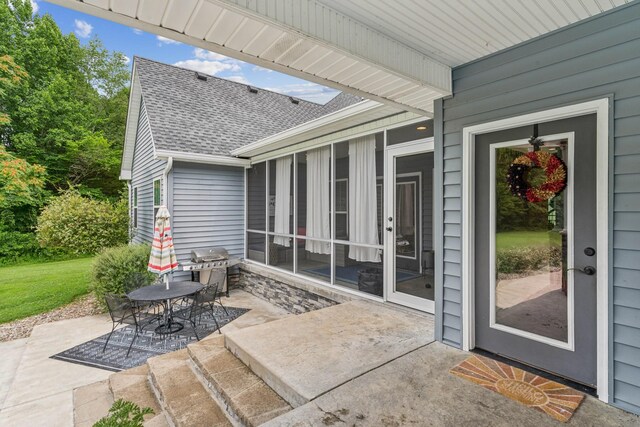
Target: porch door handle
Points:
(389, 229)
(588, 270)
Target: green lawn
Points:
(30, 289)
(519, 239)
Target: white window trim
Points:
(601, 108)
(153, 196)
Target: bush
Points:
(16, 247)
(520, 260)
(115, 268)
(82, 226)
(124, 413)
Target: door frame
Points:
(420, 146)
(601, 108)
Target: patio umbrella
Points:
(163, 256)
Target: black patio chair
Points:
(200, 302)
(123, 311)
(138, 280)
(217, 278)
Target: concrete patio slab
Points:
(37, 390)
(417, 389)
(11, 352)
(310, 354)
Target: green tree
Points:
(74, 98)
(21, 191)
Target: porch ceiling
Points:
(397, 53)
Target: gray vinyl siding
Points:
(144, 171)
(207, 208)
(595, 59)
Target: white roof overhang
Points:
(131, 130)
(354, 115)
(398, 53)
(303, 38)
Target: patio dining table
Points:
(164, 296)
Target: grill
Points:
(204, 261)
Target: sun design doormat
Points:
(550, 397)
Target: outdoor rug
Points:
(350, 274)
(550, 397)
(147, 344)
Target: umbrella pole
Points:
(166, 281)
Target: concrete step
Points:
(133, 385)
(247, 398)
(90, 403)
(306, 356)
(182, 396)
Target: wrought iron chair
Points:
(217, 278)
(138, 280)
(123, 311)
(200, 302)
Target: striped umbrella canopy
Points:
(163, 256)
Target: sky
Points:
(130, 42)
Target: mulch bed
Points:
(83, 306)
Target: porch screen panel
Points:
(256, 201)
(281, 199)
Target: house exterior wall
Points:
(144, 171)
(207, 208)
(597, 58)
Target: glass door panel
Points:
(531, 284)
(409, 226)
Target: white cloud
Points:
(211, 56)
(83, 28)
(208, 67)
(35, 6)
(308, 91)
(164, 40)
(259, 68)
(137, 31)
(238, 79)
(126, 59)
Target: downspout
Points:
(130, 229)
(165, 182)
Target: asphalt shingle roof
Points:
(216, 116)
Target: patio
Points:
(38, 390)
(354, 363)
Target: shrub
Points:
(115, 268)
(16, 246)
(124, 413)
(82, 226)
(520, 260)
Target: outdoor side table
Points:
(159, 293)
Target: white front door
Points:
(408, 224)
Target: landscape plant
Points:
(116, 268)
(124, 413)
(81, 225)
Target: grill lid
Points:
(209, 254)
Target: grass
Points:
(521, 239)
(29, 289)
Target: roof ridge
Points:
(138, 58)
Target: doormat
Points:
(147, 344)
(554, 399)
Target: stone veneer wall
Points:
(280, 294)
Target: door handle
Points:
(588, 270)
(389, 229)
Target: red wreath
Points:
(555, 171)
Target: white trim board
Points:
(601, 108)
